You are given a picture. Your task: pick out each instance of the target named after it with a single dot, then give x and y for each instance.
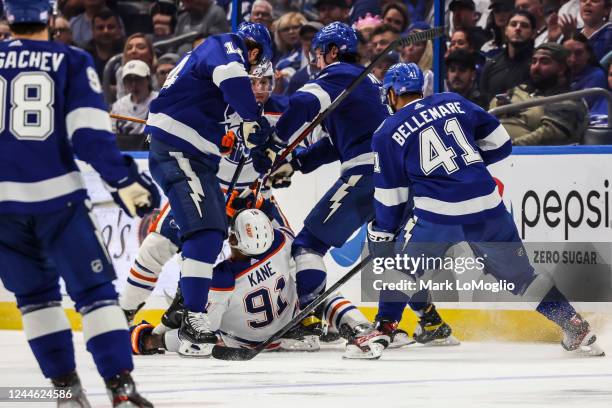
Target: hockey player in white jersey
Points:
(253, 295)
(51, 110)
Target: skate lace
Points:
(199, 321)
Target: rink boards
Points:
(556, 194)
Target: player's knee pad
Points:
(47, 295)
(306, 240)
(93, 298)
(537, 290)
(203, 246)
(311, 274)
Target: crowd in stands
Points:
(496, 52)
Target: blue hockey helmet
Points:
(258, 33)
(338, 34)
(27, 11)
(404, 78)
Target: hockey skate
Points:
(398, 337)
(130, 314)
(173, 316)
(70, 386)
(197, 340)
(301, 338)
(122, 392)
(141, 338)
(579, 339)
(433, 331)
(363, 341)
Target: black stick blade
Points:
(233, 354)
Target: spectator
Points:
(163, 19)
(465, 16)
(261, 12)
(396, 15)
(202, 16)
(585, 69)
(496, 23)
(5, 31)
(309, 69)
(511, 67)
(421, 53)
(381, 37)
(553, 123)
(597, 28)
(366, 25)
(599, 112)
(287, 34)
(61, 30)
(462, 40)
(107, 39)
(332, 10)
(461, 77)
(137, 47)
(385, 63)
(136, 78)
(164, 65)
(536, 8)
(82, 25)
(361, 8)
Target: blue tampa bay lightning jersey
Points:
(435, 150)
(350, 126)
(201, 93)
(51, 107)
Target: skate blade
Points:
(449, 341)
(355, 353)
(592, 350)
(401, 341)
(309, 344)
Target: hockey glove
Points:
(264, 156)
(281, 177)
(256, 133)
(378, 240)
(136, 194)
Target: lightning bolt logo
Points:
(336, 200)
(197, 193)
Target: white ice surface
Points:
(471, 375)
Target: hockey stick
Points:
(241, 354)
(128, 118)
(414, 37)
(232, 186)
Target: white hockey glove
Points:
(256, 133)
(136, 193)
(281, 177)
(376, 237)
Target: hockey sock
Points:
(200, 252)
(310, 277)
(105, 330)
(556, 308)
(153, 254)
(48, 332)
(339, 310)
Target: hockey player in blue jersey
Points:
(51, 108)
(348, 204)
(186, 124)
(435, 152)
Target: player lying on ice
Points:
(253, 295)
(434, 151)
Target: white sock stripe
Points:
(191, 268)
(309, 261)
(44, 321)
(103, 320)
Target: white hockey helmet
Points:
(253, 231)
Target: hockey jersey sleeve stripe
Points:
(45, 321)
(182, 131)
(41, 190)
(319, 93)
(471, 206)
(87, 118)
(230, 70)
(391, 196)
(496, 139)
(361, 160)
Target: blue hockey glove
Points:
(379, 240)
(136, 194)
(256, 133)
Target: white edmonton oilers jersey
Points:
(249, 301)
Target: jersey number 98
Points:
(31, 115)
